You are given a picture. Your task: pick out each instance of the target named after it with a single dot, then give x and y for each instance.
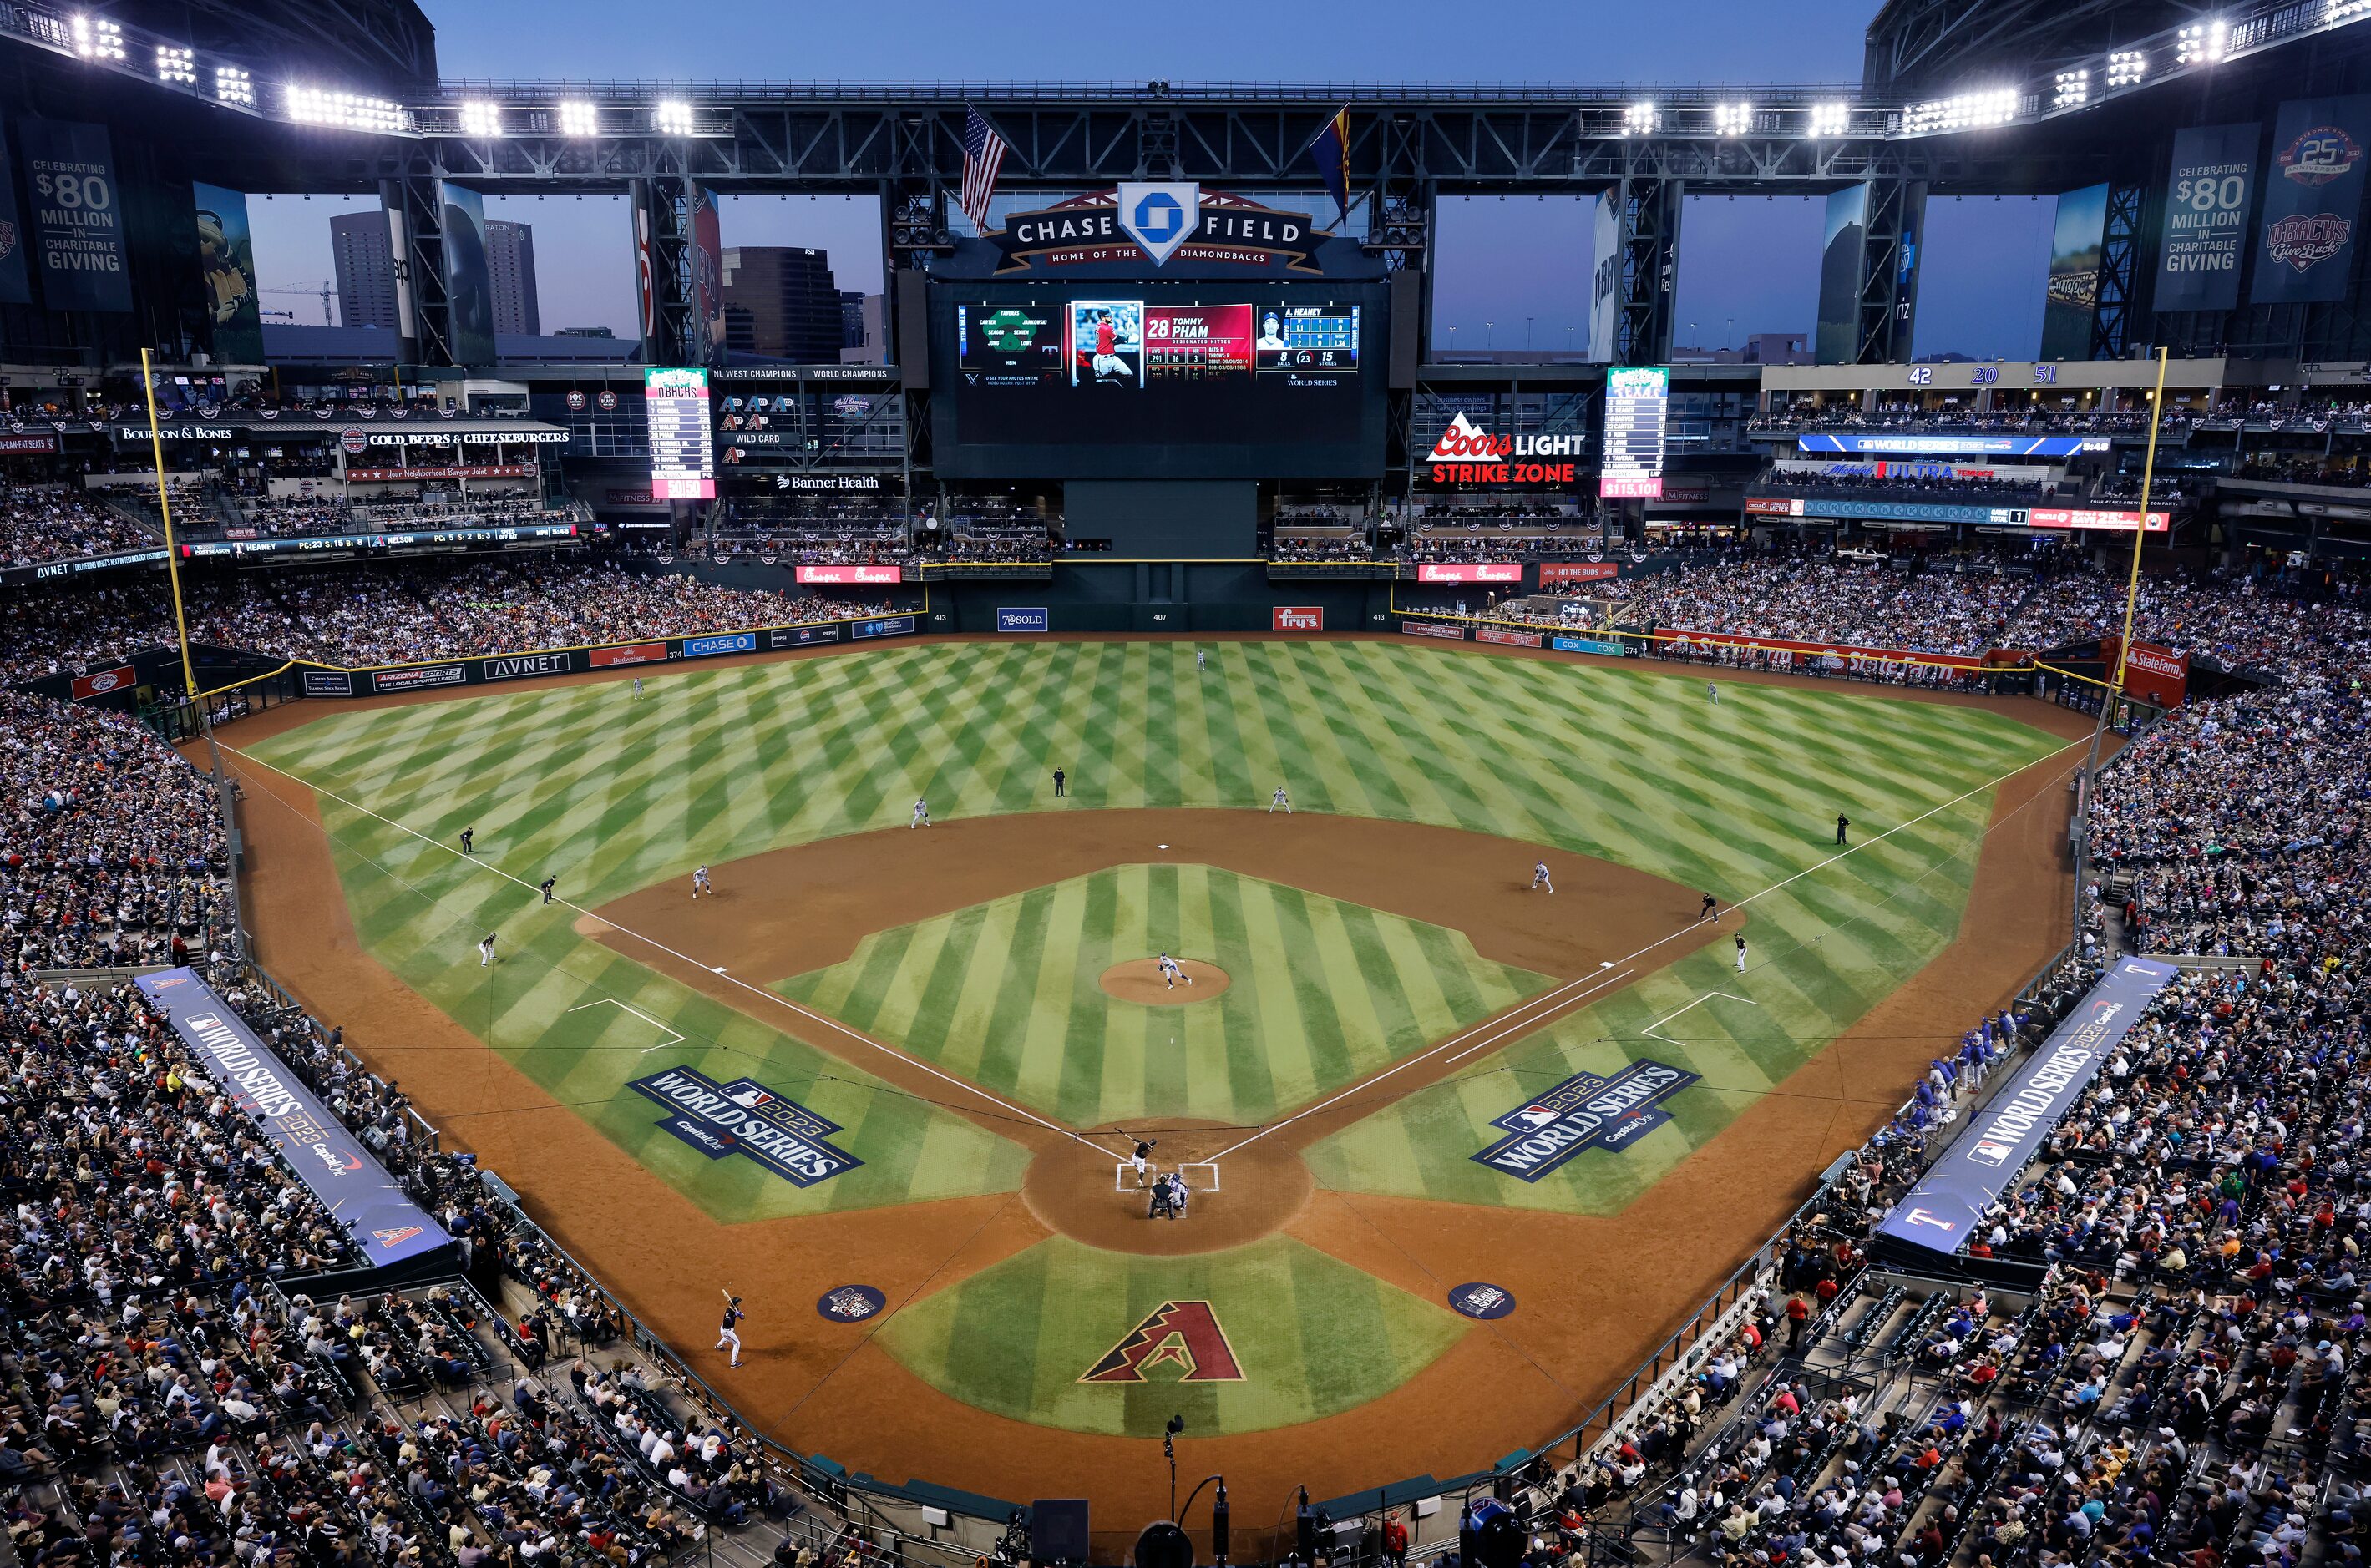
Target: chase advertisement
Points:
(2313, 200)
(2208, 193)
(1170, 228)
(1586, 1110)
(227, 268)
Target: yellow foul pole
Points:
(2140, 528)
(165, 508)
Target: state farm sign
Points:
(1468, 455)
(1299, 617)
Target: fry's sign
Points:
(1467, 455)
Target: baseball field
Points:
(1459, 1150)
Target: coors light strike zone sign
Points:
(1467, 455)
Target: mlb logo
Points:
(1535, 1115)
(750, 1098)
(1989, 1151)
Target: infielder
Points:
(1279, 799)
(922, 812)
(727, 1332)
(1173, 972)
(1540, 877)
(700, 883)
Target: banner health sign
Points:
(2206, 195)
(1944, 1208)
(1585, 1111)
(2312, 202)
(746, 1117)
(354, 1188)
(77, 222)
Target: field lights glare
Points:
(1732, 119)
(2072, 89)
(177, 67)
(578, 118)
(1964, 111)
(2200, 43)
(96, 38)
(2127, 67)
(343, 111)
(479, 119)
(672, 116)
(234, 86)
(2336, 11)
(1640, 120)
(1828, 119)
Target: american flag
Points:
(983, 156)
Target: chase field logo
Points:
(1183, 1334)
(2320, 155)
(1586, 1110)
(1160, 215)
(746, 1117)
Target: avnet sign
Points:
(524, 665)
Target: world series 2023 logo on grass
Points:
(746, 1117)
(1586, 1110)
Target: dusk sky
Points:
(1505, 266)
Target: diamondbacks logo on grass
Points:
(1586, 1110)
(746, 1117)
(1183, 1335)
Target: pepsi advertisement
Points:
(1158, 380)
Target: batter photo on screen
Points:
(1108, 342)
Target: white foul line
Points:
(614, 1002)
(816, 1017)
(1513, 1022)
(1700, 1001)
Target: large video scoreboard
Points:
(1158, 381)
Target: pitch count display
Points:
(1636, 399)
(1138, 380)
(683, 457)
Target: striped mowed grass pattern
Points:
(1313, 1336)
(1632, 764)
(1321, 993)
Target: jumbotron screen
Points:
(1118, 380)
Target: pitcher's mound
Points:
(1139, 980)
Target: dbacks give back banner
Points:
(2313, 200)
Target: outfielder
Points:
(1540, 877)
(1172, 972)
(638, 685)
(1279, 799)
(1712, 690)
(486, 951)
(1741, 955)
(1201, 660)
(922, 812)
(700, 883)
(727, 1332)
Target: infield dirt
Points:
(1597, 1293)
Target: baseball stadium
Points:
(1108, 902)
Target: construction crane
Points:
(325, 292)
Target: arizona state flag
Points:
(1331, 148)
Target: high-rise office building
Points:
(781, 303)
(365, 258)
(509, 271)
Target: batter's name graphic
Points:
(1586, 1110)
(746, 1117)
(1183, 1334)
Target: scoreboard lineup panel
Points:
(1121, 342)
(683, 453)
(1154, 379)
(1637, 399)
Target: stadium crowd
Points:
(42, 522)
(1821, 599)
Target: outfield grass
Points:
(1321, 993)
(1629, 763)
(1313, 1337)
